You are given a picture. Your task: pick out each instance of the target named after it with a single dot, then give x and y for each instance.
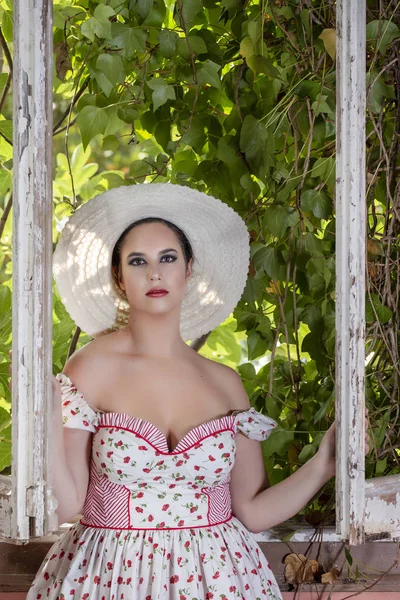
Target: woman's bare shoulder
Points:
(228, 379)
(87, 364)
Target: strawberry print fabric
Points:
(157, 523)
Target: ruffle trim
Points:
(78, 414)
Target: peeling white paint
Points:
(382, 509)
(350, 267)
(24, 510)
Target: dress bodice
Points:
(137, 483)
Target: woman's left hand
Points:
(327, 449)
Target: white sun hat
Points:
(217, 234)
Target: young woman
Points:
(157, 446)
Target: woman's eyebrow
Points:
(142, 253)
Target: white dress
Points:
(157, 525)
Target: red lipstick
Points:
(157, 293)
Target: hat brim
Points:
(218, 235)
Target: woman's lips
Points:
(156, 293)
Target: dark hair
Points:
(183, 241)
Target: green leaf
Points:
(380, 467)
(195, 136)
(264, 327)
(114, 123)
(112, 67)
(5, 306)
(257, 145)
(197, 46)
(139, 169)
(247, 371)
(313, 245)
(5, 419)
(62, 333)
(5, 448)
(130, 39)
(156, 16)
(246, 318)
(383, 313)
(4, 381)
(162, 134)
(161, 92)
(382, 33)
(207, 74)
(317, 202)
(186, 12)
(99, 25)
(348, 556)
(323, 409)
(3, 81)
(278, 442)
(103, 12)
(378, 92)
(257, 345)
(141, 7)
(270, 260)
(128, 114)
(5, 299)
(5, 180)
(92, 28)
(321, 106)
(306, 453)
(260, 64)
(6, 128)
(168, 40)
(92, 120)
(7, 25)
(246, 47)
(323, 167)
(277, 218)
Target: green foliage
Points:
(238, 100)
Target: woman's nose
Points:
(153, 274)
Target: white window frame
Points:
(27, 505)
(373, 506)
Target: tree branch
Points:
(10, 66)
(75, 99)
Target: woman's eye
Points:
(169, 258)
(136, 261)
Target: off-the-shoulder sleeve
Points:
(76, 412)
(254, 425)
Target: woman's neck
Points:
(150, 336)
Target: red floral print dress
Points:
(157, 524)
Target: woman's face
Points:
(152, 259)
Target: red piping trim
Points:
(160, 451)
(154, 528)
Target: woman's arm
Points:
(70, 454)
(263, 509)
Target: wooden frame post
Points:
(32, 504)
(350, 267)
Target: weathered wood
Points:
(382, 510)
(5, 506)
(32, 251)
(350, 267)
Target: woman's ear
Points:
(189, 269)
(120, 280)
